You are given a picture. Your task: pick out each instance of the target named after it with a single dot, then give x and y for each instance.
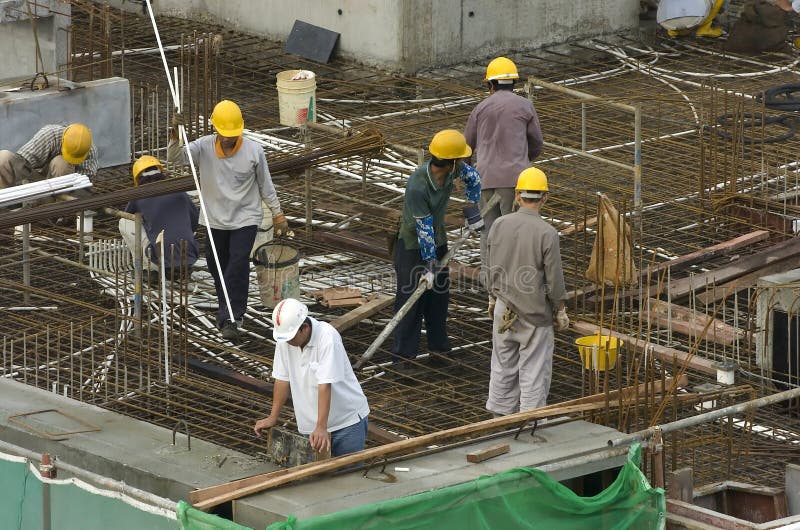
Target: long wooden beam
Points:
(207, 498)
(663, 353)
(690, 322)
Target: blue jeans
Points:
(349, 439)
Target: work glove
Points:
(178, 119)
(490, 308)
(280, 225)
(431, 268)
(562, 320)
(472, 217)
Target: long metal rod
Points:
(706, 417)
(421, 288)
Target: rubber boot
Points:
(705, 29)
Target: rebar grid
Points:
(690, 170)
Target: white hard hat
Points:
(287, 317)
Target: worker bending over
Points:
(234, 179)
(54, 151)
(422, 242)
(681, 17)
(174, 213)
(312, 365)
(504, 133)
(524, 274)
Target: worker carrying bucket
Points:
(525, 277)
(278, 272)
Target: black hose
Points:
(756, 121)
(781, 97)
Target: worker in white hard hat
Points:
(54, 151)
(504, 133)
(312, 366)
(422, 243)
(175, 214)
(234, 180)
(524, 275)
(682, 17)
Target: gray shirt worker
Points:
(504, 131)
(524, 266)
(234, 186)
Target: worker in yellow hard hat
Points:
(234, 180)
(54, 151)
(525, 276)
(503, 131)
(422, 242)
(175, 214)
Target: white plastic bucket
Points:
(296, 98)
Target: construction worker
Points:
(175, 214)
(504, 132)
(681, 17)
(524, 275)
(234, 179)
(54, 151)
(312, 365)
(422, 242)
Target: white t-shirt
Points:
(323, 360)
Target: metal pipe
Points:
(26, 262)
(578, 94)
(137, 275)
(705, 417)
(637, 166)
(94, 478)
(578, 152)
(583, 126)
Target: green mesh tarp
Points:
(192, 519)
(519, 498)
(76, 505)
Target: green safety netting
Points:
(192, 519)
(519, 498)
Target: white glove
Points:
(562, 320)
(490, 308)
(430, 274)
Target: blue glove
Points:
(431, 268)
(472, 217)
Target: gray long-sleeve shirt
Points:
(523, 261)
(504, 132)
(232, 187)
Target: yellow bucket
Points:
(593, 349)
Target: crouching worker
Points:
(174, 213)
(311, 364)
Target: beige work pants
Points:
(12, 169)
(522, 365)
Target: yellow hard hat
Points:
(449, 144)
(501, 68)
(227, 118)
(75, 143)
(532, 183)
(144, 162)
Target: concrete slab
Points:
(331, 494)
(132, 451)
(103, 105)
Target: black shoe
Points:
(230, 331)
(439, 360)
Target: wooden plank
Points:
(705, 254)
(690, 322)
(663, 353)
(207, 498)
(374, 306)
(685, 286)
(459, 270)
(343, 302)
(720, 291)
(490, 452)
(580, 227)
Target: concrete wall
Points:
(413, 34)
(103, 105)
(18, 60)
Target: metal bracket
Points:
(522, 428)
(188, 437)
(51, 435)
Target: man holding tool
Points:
(422, 242)
(524, 274)
(312, 364)
(234, 179)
